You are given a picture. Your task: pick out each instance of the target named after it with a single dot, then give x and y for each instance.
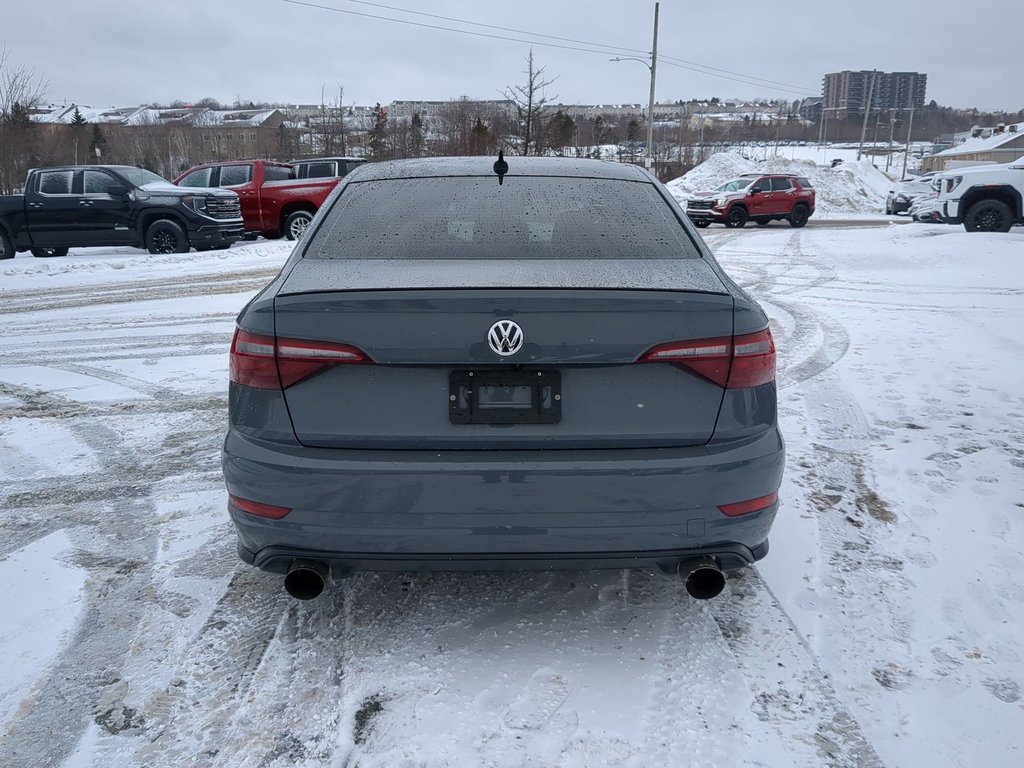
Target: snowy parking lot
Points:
(883, 629)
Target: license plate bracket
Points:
(505, 397)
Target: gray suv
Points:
(475, 365)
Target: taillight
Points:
(268, 363)
(750, 506)
(298, 359)
(735, 362)
(252, 361)
(257, 508)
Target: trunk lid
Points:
(586, 322)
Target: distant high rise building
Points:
(846, 93)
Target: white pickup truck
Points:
(984, 198)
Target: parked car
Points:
(903, 194)
(274, 202)
(923, 208)
(325, 167)
(109, 205)
(544, 368)
(984, 198)
(756, 197)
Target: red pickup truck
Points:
(274, 202)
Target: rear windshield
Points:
(277, 173)
(527, 217)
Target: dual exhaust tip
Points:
(702, 577)
(306, 579)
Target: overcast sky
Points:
(115, 52)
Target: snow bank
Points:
(851, 188)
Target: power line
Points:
(497, 26)
(744, 78)
(672, 63)
(448, 29)
(591, 47)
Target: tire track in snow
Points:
(51, 721)
(788, 684)
(191, 722)
(46, 299)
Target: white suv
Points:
(985, 198)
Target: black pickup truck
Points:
(107, 205)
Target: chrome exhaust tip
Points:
(702, 577)
(306, 579)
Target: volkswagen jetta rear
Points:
(456, 369)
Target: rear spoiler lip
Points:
(688, 275)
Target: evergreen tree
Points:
(78, 123)
(561, 129)
(97, 142)
(480, 139)
(416, 135)
(378, 134)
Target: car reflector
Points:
(749, 506)
(258, 509)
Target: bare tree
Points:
(21, 90)
(530, 101)
(328, 129)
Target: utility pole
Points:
(867, 111)
(906, 149)
(653, 66)
(650, 114)
(888, 157)
(910, 127)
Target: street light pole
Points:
(653, 66)
(650, 111)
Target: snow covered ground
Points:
(883, 629)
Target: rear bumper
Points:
(450, 510)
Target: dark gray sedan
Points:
(471, 365)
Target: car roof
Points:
(779, 175)
(327, 159)
(517, 166)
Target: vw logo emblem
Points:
(505, 337)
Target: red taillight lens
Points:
(252, 362)
(736, 363)
(708, 357)
(258, 509)
(749, 506)
(298, 359)
(268, 363)
(753, 360)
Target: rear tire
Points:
(166, 236)
(799, 216)
(989, 216)
(737, 217)
(6, 249)
(296, 223)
